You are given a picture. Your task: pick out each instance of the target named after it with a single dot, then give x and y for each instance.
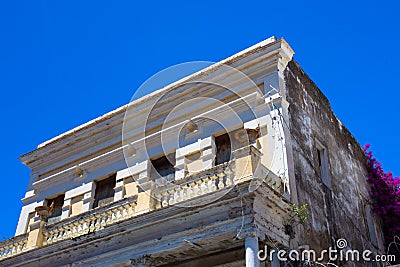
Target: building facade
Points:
(207, 171)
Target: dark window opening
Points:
(320, 155)
(371, 226)
(323, 165)
(223, 146)
(57, 203)
(104, 192)
(164, 168)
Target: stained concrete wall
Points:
(337, 211)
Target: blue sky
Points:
(63, 63)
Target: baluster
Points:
(13, 249)
(192, 189)
(7, 250)
(179, 191)
(158, 198)
(203, 185)
(85, 226)
(229, 176)
(172, 196)
(164, 198)
(221, 180)
(53, 236)
(221, 176)
(107, 215)
(185, 192)
(68, 230)
(50, 237)
(214, 182)
(124, 211)
(131, 209)
(46, 236)
(113, 215)
(59, 233)
(210, 183)
(117, 214)
(125, 214)
(98, 218)
(198, 187)
(103, 219)
(65, 229)
(19, 247)
(92, 223)
(2, 253)
(120, 213)
(75, 228)
(81, 225)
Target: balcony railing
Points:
(194, 185)
(13, 246)
(216, 179)
(90, 221)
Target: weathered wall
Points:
(339, 211)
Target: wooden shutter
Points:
(104, 192)
(223, 145)
(57, 206)
(164, 169)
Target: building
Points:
(203, 172)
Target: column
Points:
(251, 250)
(208, 151)
(35, 235)
(145, 186)
(275, 261)
(88, 200)
(119, 189)
(66, 208)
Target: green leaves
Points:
(301, 212)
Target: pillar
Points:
(275, 261)
(145, 185)
(35, 235)
(66, 209)
(119, 189)
(251, 250)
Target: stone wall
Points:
(337, 209)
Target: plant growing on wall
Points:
(385, 194)
(298, 215)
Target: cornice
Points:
(241, 60)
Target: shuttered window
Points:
(223, 145)
(163, 169)
(104, 191)
(57, 204)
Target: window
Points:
(57, 204)
(323, 165)
(371, 225)
(223, 146)
(104, 193)
(163, 169)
